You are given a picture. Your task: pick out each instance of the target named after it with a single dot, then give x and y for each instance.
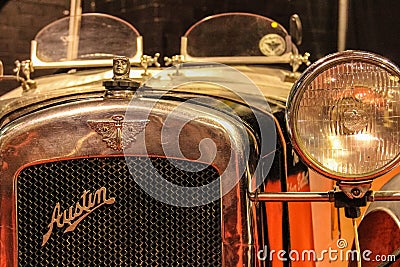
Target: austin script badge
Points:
(72, 216)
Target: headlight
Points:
(343, 116)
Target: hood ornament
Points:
(121, 86)
(121, 68)
(117, 132)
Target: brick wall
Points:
(20, 20)
(162, 22)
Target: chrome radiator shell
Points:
(61, 132)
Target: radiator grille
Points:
(136, 230)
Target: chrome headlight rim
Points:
(297, 93)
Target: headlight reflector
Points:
(343, 115)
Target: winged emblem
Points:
(117, 132)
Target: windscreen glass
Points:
(89, 36)
(236, 34)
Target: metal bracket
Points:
(148, 61)
(296, 60)
(175, 61)
(25, 68)
(355, 189)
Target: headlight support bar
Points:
(340, 198)
(329, 196)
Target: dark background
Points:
(373, 25)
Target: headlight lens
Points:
(343, 115)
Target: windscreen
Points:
(89, 36)
(237, 34)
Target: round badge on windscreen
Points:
(272, 45)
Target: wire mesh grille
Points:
(136, 230)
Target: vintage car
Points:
(228, 157)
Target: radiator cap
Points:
(121, 85)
